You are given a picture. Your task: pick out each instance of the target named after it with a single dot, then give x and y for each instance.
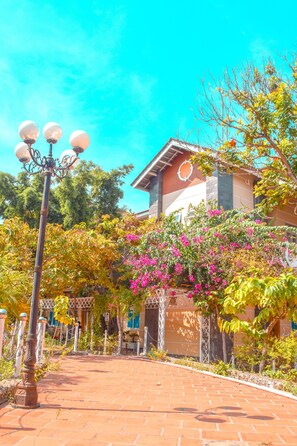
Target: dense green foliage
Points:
(85, 195)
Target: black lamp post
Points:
(26, 395)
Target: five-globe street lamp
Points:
(26, 395)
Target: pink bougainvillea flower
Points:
(184, 240)
(178, 268)
(132, 237)
(212, 268)
(198, 239)
(214, 212)
(175, 251)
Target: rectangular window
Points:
(133, 319)
(178, 217)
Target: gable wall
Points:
(179, 194)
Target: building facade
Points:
(173, 184)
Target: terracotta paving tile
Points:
(185, 441)
(289, 439)
(40, 441)
(93, 401)
(121, 438)
(155, 440)
(281, 430)
(86, 443)
(11, 440)
(219, 435)
(267, 437)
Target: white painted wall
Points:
(183, 198)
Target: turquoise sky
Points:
(127, 72)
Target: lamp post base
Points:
(26, 396)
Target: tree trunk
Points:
(223, 334)
(120, 332)
(263, 360)
(224, 347)
(264, 350)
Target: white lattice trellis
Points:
(162, 317)
(204, 339)
(80, 303)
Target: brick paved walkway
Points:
(120, 401)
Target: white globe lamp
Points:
(79, 140)
(28, 132)
(52, 132)
(22, 152)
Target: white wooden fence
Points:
(12, 340)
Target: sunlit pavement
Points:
(116, 401)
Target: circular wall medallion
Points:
(185, 170)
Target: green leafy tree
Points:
(21, 197)
(17, 245)
(275, 297)
(254, 113)
(85, 195)
(61, 310)
(125, 232)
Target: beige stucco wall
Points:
(285, 216)
(182, 332)
(243, 191)
(285, 327)
(248, 315)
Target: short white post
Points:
(61, 333)
(105, 342)
(75, 337)
(40, 339)
(138, 348)
(273, 365)
(14, 332)
(233, 361)
(144, 350)
(20, 344)
(92, 334)
(67, 335)
(3, 315)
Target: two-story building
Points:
(173, 183)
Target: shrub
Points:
(84, 343)
(221, 368)
(191, 362)
(157, 355)
(284, 352)
(6, 369)
(248, 356)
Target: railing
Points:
(12, 341)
